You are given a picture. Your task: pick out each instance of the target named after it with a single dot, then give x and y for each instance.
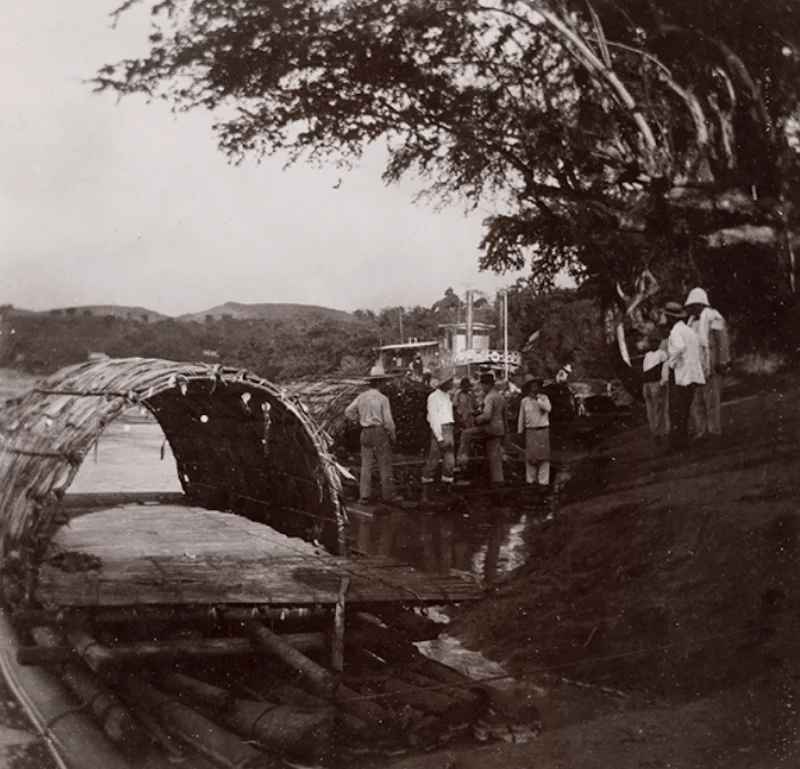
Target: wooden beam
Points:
(338, 628)
(104, 659)
(27, 618)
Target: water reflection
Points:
(489, 544)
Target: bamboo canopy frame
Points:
(326, 398)
(240, 443)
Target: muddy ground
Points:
(657, 622)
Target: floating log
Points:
(94, 654)
(291, 695)
(420, 699)
(26, 618)
(474, 703)
(113, 716)
(365, 709)
(102, 659)
(44, 656)
(109, 655)
(203, 735)
(322, 681)
(302, 732)
(359, 711)
(221, 699)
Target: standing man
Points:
(656, 376)
(715, 351)
(440, 418)
(465, 404)
(686, 373)
(372, 411)
(563, 374)
(534, 422)
(489, 424)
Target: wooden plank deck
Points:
(173, 554)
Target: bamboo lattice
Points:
(240, 443)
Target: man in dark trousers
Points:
(490, 425)
(372, 411)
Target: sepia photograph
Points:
(400, 384)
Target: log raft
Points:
(222, 621)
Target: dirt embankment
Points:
(676, 580)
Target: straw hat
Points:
(674, 310)
(443, 375)
(376, 372)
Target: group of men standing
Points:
(683, 372)
(463, 413)
(475, 419)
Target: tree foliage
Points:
(611, 136)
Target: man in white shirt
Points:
(440, 418)
(686, 373)
(712, 331)
(372, 411)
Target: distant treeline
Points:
(313, 344)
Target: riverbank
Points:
(656, 622)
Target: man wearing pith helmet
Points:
(715, 355)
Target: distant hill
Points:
(102, 310)
(269, 311)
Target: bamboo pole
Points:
(338, 627)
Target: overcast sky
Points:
(124, 203)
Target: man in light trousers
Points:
(442, 422)
(712, 331)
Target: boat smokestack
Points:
(470, 317)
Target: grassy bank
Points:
(673, 581)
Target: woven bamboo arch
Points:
(239, 443)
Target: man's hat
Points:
(697, 296)
(567, 368)
(487, 378)
(674, 310)
(377, 372)
(444, 374)
(465, 382)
